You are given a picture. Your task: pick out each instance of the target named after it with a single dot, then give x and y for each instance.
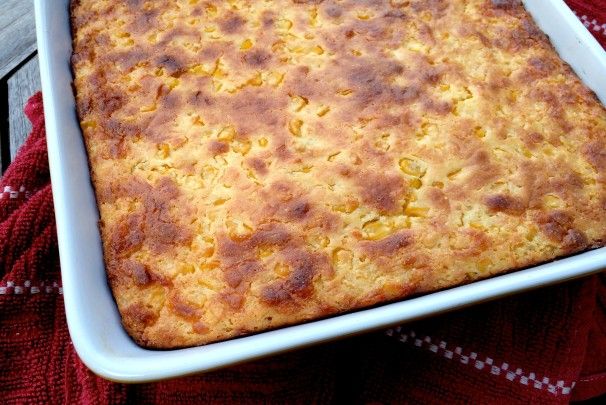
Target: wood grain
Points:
(21, 86)
(17, 33)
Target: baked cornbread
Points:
(264, 163)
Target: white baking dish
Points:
(92, 316)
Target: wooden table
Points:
(19, 74)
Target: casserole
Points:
(92, 317)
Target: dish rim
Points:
(93, 320)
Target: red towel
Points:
(592, 14)
(546, 346)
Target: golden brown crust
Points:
(259, 164)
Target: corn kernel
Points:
(208, 172)
(303, 169)
(341, 258)
(211, 9)
(208, 248)
(415, 46)
(265, 251)
(210, 265)
(197, 121)
(217, 71)
(428, 127)
(88, 124)
(275, 79)
(255, 80)
(415, 183)
(246, 44)
(242, 147)
(278, 46)
(163, 150)
(376, 229)
(295, 127)
(299, 102)
(531, 234)
(453, 173)
(297, 49)
(173, 82)
(513, 95)
(331, 158)
(323, 111)
(412, 167)
(313, 16)
(281, 270)
(347, 208)
(552, 201)
(476, 225)
(198, 70)
(186, 268)
(148, 108)
(156, 293)
(284, 24)
(484, 264)
(392, 289)
(251, 174)
(416, 211)
(479, 132)
(319, 241)
(227, 134)
(238, 230)
(399, 3)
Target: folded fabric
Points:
(545, 346)
(593, 15)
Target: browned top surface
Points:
(260, 163)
